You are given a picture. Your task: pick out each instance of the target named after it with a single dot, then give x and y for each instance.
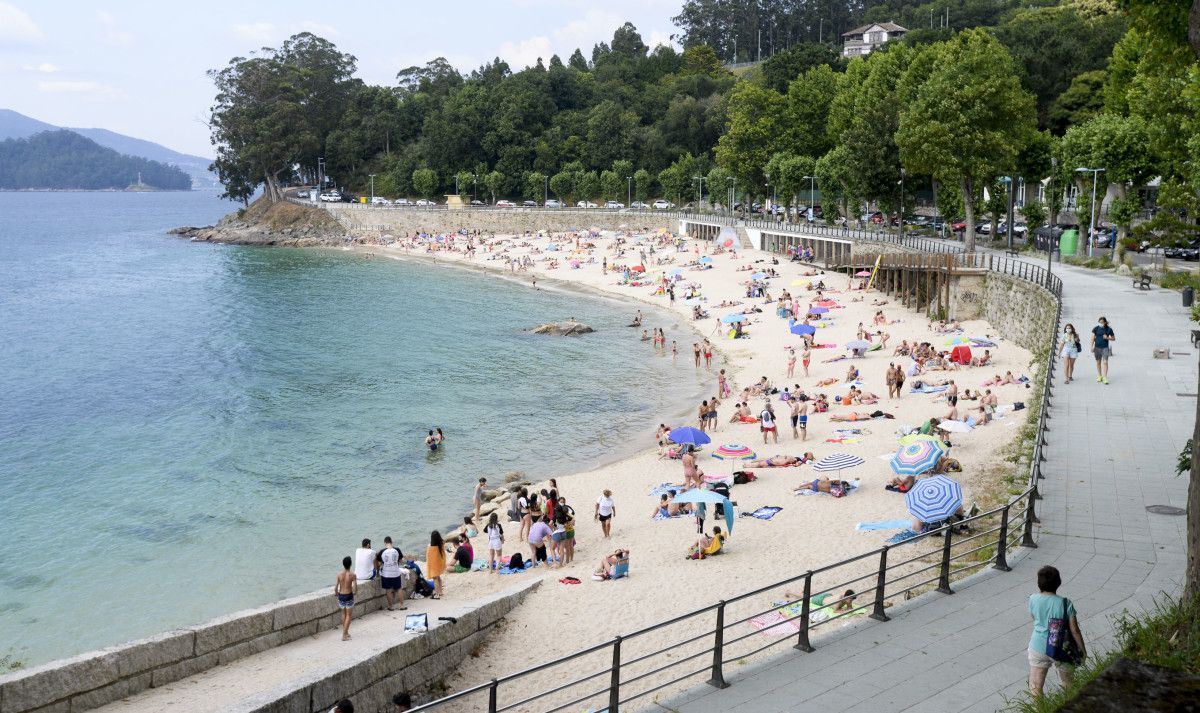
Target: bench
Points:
(1142, 282)
(1013, 252)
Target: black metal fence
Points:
(705, 642)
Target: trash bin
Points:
(1068, 242)
(1189, 295)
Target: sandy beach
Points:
(807, 531)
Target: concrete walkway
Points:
(1111, 453)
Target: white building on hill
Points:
(862, 40)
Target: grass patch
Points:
(1168, 635)
(1178, 280)
(1096, 262)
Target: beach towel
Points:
(899, 524)
(660, 516)
(983, 342)
(842, 440)
(901, 537)
(927, 389)
(837, 358)
(824, 346)
(851, 489)
(775, 623)
(876, 348)
(664, 489)
(763, 513)
(850, 431)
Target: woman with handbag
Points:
(1056, 638)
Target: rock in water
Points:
(562, 329)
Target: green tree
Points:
(755, 116)
(872, 131)
(425, 181)
(1034, 212)
(588, 185)
(807, 112)
(643, 184)
(492, 181)
(562, 185)
(1083, 99)
(835, 181)
(462, 181)
(534, 186)
(968, 117)
(611, 185)
(784, 67)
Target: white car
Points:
(332, 197)
(661, 204)
(403, 201)
(614, 204)
(552, 203)
(505, 204)
(638, 205)
(586, 204)
(380, 200)
(424, 202)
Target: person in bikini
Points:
(781, 461)
(344, 588)
(823, 485)
(806, 356)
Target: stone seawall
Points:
(373, 221)
(1018, 309)
(100, 677)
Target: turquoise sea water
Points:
(189, 429)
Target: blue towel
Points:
(930, 389)
(510, 570)
(763, 513)
(663, 489)
(884, 525)
(900, 537)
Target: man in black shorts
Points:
(391, 573)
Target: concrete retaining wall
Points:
(1019, 310)
(375, 220)
(93, 679)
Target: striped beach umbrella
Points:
(733, 451)
(934, 498)
(916, 457)
(914, 437)
(838, 462)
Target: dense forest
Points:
(65, 160)
(978, 94)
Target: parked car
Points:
(380, 200)
(1019, 229)
(552, 203)
(402, 201)
(661, 204)
(505, 204)
(586, 204)
(638, 205)
(613, 204)
(425, 202)
(529, 204)
(331, 197)
(959, 226)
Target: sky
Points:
(140, 67)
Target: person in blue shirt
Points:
(1102, 334)
(1044, 606)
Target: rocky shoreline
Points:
(281, 224)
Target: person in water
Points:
(431, 441)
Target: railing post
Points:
(802, 644)
(944, 573)
(1030, 517)
(877, 613)
(718, 676)
(492, 696)
(1002, 545)
(614, 684)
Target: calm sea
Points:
(189, 429)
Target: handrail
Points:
(1017, 518)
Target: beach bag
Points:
(1060, 645)
(837, 490)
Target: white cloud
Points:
(62, 86)
(113, 34)
(594, 27)
(43, 68)
(255, 31)
(17, 26)
(319, 29)
(657, 38)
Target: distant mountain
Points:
(14, 125)
(62, 159)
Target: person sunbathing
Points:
(826, 382)
(860, 416)
(824, 485)
(982, 360)
(903, 349)
(780, 461)
(667, 507)
(609, 563)
(900, 484)
(1008, 379)
(707, 546)
(851, 375)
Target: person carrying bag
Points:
(1056, 639)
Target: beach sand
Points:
(808, 532)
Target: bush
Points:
(1096, 262)
(1179, 280)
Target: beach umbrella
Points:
(954, 426)
(705, 260)
(677, 272)
(732, 318)
(857, 344)
(955, 341)
(838, 462)
(733, 451)
(916, 457)
(701, 496)
(728, 243)
(552, 246)
(818, 310)
(914, 437)
(638, 268)
(933, 499)
(802, 329)
(688, 436)
(863, 273)
(758, 276)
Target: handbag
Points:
(1060, 644)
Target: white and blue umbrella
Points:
(733, 318)
(933, 499)
(701, 496)
(838, 462)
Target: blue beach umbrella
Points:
(701, 496)
(802, 329)
(689, 436)
(917, 457)
(731, 318)
(933, 499)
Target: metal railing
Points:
(629, 667)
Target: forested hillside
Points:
(65, 160)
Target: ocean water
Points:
(189, 429)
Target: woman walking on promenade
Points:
(1070, 351)
(1055, 628)
(435, 562)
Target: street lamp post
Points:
(372, 176)
(629, 192)
(901, 204)
(1092, 218)
(699, 192)
(732, 194)
(812, 209)
(1049, 195)
(546, 192)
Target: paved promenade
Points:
(1111, 454)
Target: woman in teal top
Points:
(1044, 606)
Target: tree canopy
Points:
(65, 160)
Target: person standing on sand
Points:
(806, 356)
(703, 414)
(435, 562)
(524, 512)
(495, 535)
(540, 535)
(800, 417)
(391, 575)
(767, 423)
(722, 382)
(674, 350)
(890, 378)
(712, 414)
(791, 367)
(344, 588)
(696, 352)
(707, 353)
(1102, 336)
(606, 510)
(477, 497)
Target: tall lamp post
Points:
(812, 208)
(901, 204)
(474, 185)
(629, 192)
(546, 192)
(372, 176)
(732, 194)
(1092, 219)
(1050, 233)
(772, 185)
(699, 192)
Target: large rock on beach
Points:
(563, 329)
